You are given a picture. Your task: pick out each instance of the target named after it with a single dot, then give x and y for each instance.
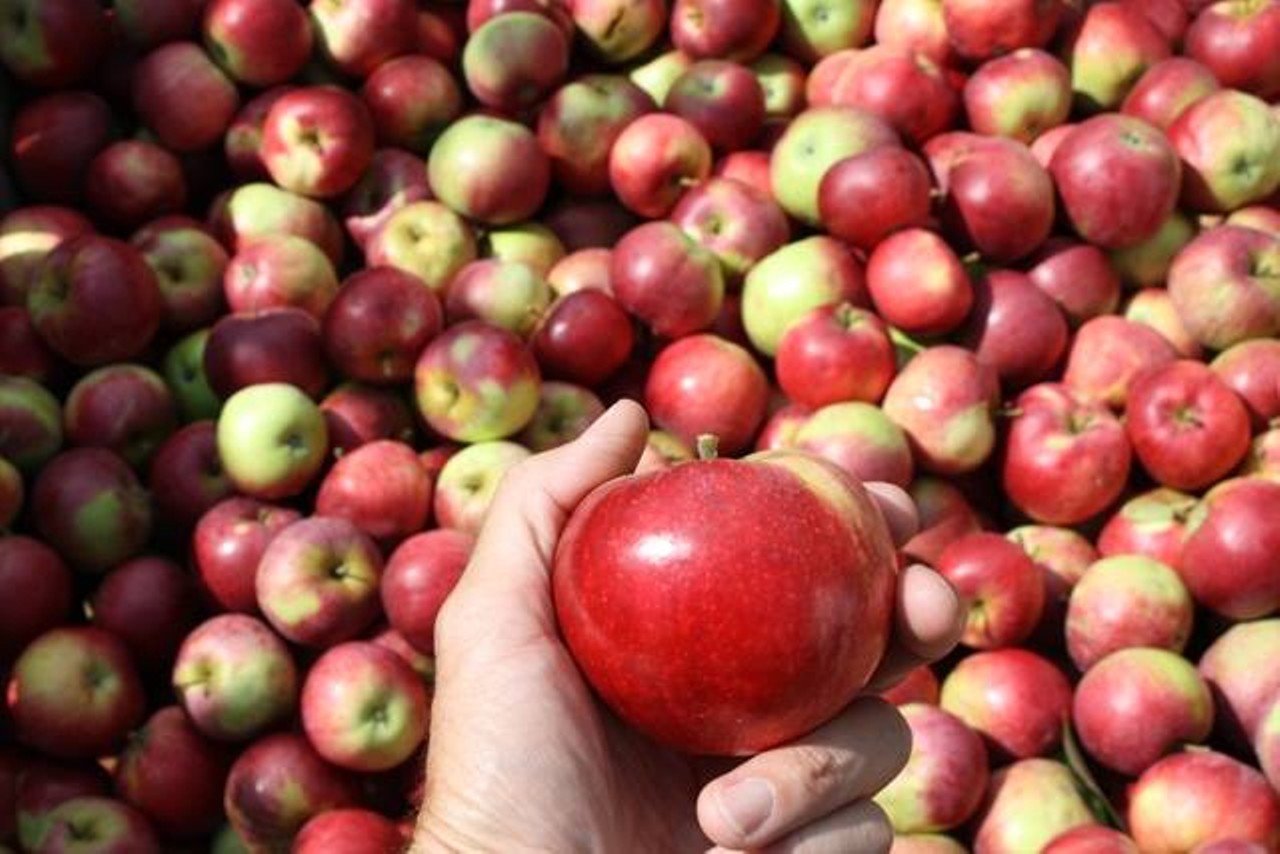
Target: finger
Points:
(861, 828)
(898, 509)
(778, 792)
(930, 618)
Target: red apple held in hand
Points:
(1029, 804)
(419, 576)
(1020, 95)
(1003, 590)
(132, 181)
(1240, 44)
(235, 677)
(724, 29)
(1014, 697)
(667, 280)
(356, 36)
(1188, 428)
(1066, 458)
(183, 98)
(584, 337)
(363, 708)
(489, 169)
(94, 300)
(349, 831)
(1166, 89)
(30, 566)
(836, 353)
(280, 271)
(865, 198)
(149, 603)
(109, 826)
(74, 693)
(703, 384)
(1228, 558)
(945, 777)
(53, 43)
(980, 30)
(918, 284)
(279, 784)
(88, 504)
(1220, 798)
(378, 324)
(654, 159)
(838, 585)
(1107, 353)
(259, 43)
(1137, 704)
(317, 141)
(174, 775)
(514, 60)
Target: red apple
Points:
(1227, 559)
(668, 281)
(228, 543)
(52, 140)
(778, 432)
(88, 504)
(379, 322)
(419, 575)
(29, 566)
(652, 161)
(510, 295)
(749, 167)
(256, 210)
(30, 424)
(1241, 670)
(905, 89)
(22, 354)
(735, 221)
(183, 98)
(1079, 277)
(131, 181)
(945, 777)
(1152, 524)
(584, 337)
(1109, 50)
(149, 604)
(189, 265)
(1019, 95)
(1222, 286)
(1228, 142)
(860, 439)
(348, 831)
(1002, 589)
(980, 30)
(726, 29)
(27, 236)
(915, 25)
(186, 477)
(514, 60)
(317, 141)
(280, 271)
(835, 353)
(259, 43)
(1240, 44)
(1014, 697)
(1252, 370)
(722, 99)
(381, 488)
(945, 516)
(1166, 89)
(1062, 556)
(865, 198)
(588, 223)
(278, 345)
(357, 414)
(1106, 355)
(411, 99)
(918, 283)
(125, 408)
(579, 124)
(1015, 327)
(242, 143)
(1091, 839)
(53, 43)
(489, 169)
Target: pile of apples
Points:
(286, 287)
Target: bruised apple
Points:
(680, 583)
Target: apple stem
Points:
(906, 346)
(1008, 412)
(708, 446)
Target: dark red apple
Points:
(186, 477)
(584, 337)
(29, 566)
(22, 354)
(357, 414)
(149, 603)
(411, 99)
(667, 280)
(124, 408)
(864, 198)
(183, 98)
(52, 140)
(189, 265)
(726, 29)
(53, 43)
(1015, 327)
(1079, 277)
(278, 345)
(722, 99)
(88, 504)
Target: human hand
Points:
(522, 757)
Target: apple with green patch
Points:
(467, 483)
(945, 777)
(30, 423)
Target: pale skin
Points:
(523, 758)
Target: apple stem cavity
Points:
(708, 446)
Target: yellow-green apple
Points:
(722, 99)
(317, 141)
(98, 824)
(1219, 798)
(356, 36)
(378, 324)
(1225, 559)
(792, 281)
(60, 133)
(835, 353)
(1078, 277)
(358, 414)
(29, 565)
(74, 693)
(95, 300)
(834, 569)
(419, 576)
(724, 29)
(12, 494)
(1107, 353)
(227, 545)
(411, 100)
(425, 239)
(945, 400)
(813, 142)
(489, 169)
(564, 413)
(655, 77)
(125, 408)
(530, 243)
(1127, 601)
(235, 677)
(1154, 307)
(1152, 524)
(1223, 284)
(1014, 327)
(580, 123)
(1019, 95)
(174, 775)
(703, 384)
(1167, 89)
(186, 477)
(260, 209)
(618, 30)
(466, 485)
(363, 708)
(514, 60)
(1091, 839)
(945, 777)
(30, 423)
(865, 198)
(1003, 591)
(272, 440)
(347, 831)
(317, 581)
(654, 159)
(981, 30)
(1252, 370)
(908, 91)
(915, 25)
(259, 43)
(1028, 804)
(277, 345)
(945, 516)
(860, 439)
(182, 97)
(188, 264)
(149, 603)
(584, 337)
(132, 181)
(1187, 427)
(393, 180)
(22, 353)
(277, 786)
(381, 488)
(476, 382)
(1239, 42)
(507, 294)
(52, 43)
(27, 236)
(666, 279)
(812, 29)
(242, 143)
(185, 374)
(1109, 51)
(1144, 177)
(1014, 697)
(1229, 142)
(1137, 704)
(1062, 556)
(87, 503)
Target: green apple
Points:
(272, 440)
(184, 372)
(468, 481)
(425, 239)
(792, 281)
(812, 29)
(658, 75)
(530, 243)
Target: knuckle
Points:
(818, 770)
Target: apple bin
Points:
(305, 305)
